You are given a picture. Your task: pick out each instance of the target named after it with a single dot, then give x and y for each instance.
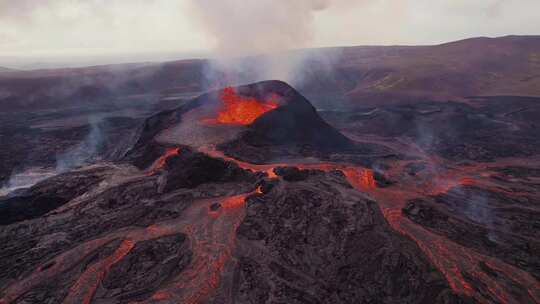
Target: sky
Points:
(101, 30)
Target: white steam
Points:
(240, 28)
(26, 179)
(83, 152)
(78, 155)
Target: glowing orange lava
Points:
(233, 202)
(360, 177)
(160, 162)
(449, 257)
(88, 282)
(213, 240)
(238, 110)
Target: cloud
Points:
(97, 27)
(234, 27)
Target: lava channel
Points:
(452, 259)
(212, 233)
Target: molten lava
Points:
(360, 178)
(212, 234)
(88, 282)
(457, 263)
(239, 110)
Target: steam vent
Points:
(249, 194)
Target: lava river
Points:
(212, 239)
(210, 225)
(453, 260)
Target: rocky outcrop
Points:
(44, 197)
(189, 170)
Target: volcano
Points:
(258, 123)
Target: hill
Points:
(479, 66)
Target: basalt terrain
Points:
(257, 194)
(47, 116)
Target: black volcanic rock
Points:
(97, 221)
(292, 130)
(483, 129)
(215, 206)
(296, 122)
(316, 241)
(291, 173)
(189, 170)
(47, 195)
(490, 222)
(146, 149)
(148, 266)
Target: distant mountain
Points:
(478, 66)
(98, 84)
(330, 76)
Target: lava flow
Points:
(453, 260)
(213, 238)
(239, 110)
(210, 225)
(89, 281)
(360, 178)
(213, 241)
(458, 263)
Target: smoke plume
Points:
(242, 28)
(84, 151)
(264, 29)
(80, 154)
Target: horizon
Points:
(57, 62)
(68, 33)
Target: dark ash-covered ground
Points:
(413, 200)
